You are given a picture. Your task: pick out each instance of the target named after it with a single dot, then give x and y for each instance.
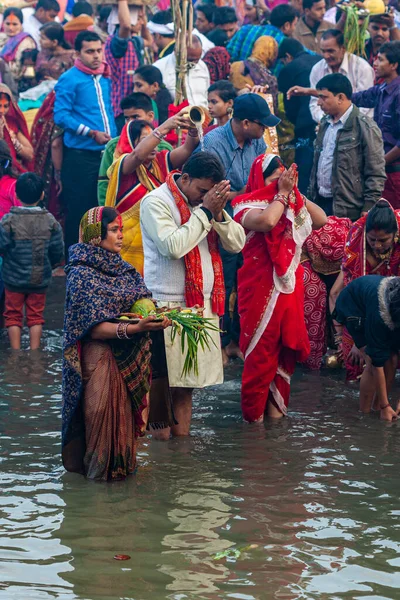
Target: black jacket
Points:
(297, 109)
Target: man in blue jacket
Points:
(83, 110)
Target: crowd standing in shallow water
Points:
(264, 223)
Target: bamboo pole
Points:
(183, 24)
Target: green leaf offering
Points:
(355, 34)
(194, 330)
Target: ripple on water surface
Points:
(305, 508)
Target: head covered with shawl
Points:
(256, 68)
(100, 286)
(266, 169)
(12, 123)
(218, 62)
(150, 175)
(291, 230)
(382, 219)
(265, 50)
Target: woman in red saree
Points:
(372, 248)
(138, 169)
(14, 131)
(277, 220)
(322, 257)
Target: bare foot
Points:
(233, 350)
(225, 357)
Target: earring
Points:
(229, 111)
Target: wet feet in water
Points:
(225, 357)
(232, 350)
(375, 404)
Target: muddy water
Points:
(306, 508)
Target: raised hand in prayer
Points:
(288, 180)
(216, 198)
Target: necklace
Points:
(385, 256)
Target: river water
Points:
(305, 508)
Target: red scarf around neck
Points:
(103, 69)
(193, 270)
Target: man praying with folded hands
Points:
(182, 222)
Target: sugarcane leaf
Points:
(173, 332)
(183, 340)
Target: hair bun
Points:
(382, 203)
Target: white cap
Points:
(163, 29)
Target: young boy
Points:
(31, 244)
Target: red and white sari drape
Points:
(271, 298)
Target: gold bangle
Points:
(282, 198)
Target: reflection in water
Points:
(200, 513)
(309, 505)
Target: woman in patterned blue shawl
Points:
(105, 378)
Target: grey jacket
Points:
(31, 244)
(358, 173)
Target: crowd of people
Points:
(277, 213)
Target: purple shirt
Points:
(385, 100)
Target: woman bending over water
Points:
(106, 366)
(372, 248)
(369, 307)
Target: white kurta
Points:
(165, 243)
(360, 74)
(197, 80)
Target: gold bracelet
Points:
(282, 198)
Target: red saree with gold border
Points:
(271, 298)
